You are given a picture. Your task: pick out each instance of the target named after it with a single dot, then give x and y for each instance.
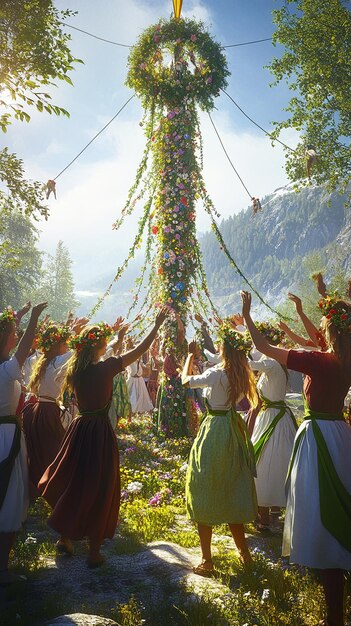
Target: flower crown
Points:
(272, 333)
(231, 337)
(91, 337)
(52, 334)
(336, 310)
(7, 315)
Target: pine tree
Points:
(57, 286)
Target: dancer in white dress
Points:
(317, 531)
(138, 394)
(42, 423)
(13, 454)
(273, 435)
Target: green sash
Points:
(7, 464)
(271, 404)
(334, 499)
(241, 432)
(103, 411)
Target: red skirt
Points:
(44, 434)
(82, 484)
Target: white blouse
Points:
(216, 387)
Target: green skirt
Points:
(219, 483)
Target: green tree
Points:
(20, 260)
(34, 53)
(57, 284)
(316, 64)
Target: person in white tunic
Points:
(13, 454)
(138, 394)
(42, 423)
(273, 434)
(317, 530)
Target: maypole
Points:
(174, 68)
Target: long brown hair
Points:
(241, 378)
(338, 338)
(80, 360)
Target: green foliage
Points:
(197, 71)
(19, 194)
(316, 64)
(129, 614)
(34, 52)
(20, 260)
(57, 285)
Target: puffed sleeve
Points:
(11, 369)
(206, 379)
(263, 365)
(112, 366)
(306, 361)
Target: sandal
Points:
(64, 547)
(205, 568)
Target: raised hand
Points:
(246, 301)
(283, 326)
(161, 316)
(193, 348)
(38, 309)
(122, 331)
(118, 323)
(23, 311)
(238, 319)
(297, 301)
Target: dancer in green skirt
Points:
(220, 477)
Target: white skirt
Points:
(138, 394)
(274, 461)
(14, 509)
(305, 538)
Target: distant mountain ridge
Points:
(275, 249)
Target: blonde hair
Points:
(41, 365)
(240, 376)
(80, 360)
(338, 339)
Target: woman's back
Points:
(216, 384)
(94, 387)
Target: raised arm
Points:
(261, 343)
(133, 355)
(188, 365)
(298, 339)
(25, 344)
(311, 329)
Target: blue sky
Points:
(92, 192)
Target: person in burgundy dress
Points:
(82, 484)
(317, 530)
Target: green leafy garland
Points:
(175, 61)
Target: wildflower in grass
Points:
(265, 595)
(134, 487)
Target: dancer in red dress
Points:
(82, 484)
